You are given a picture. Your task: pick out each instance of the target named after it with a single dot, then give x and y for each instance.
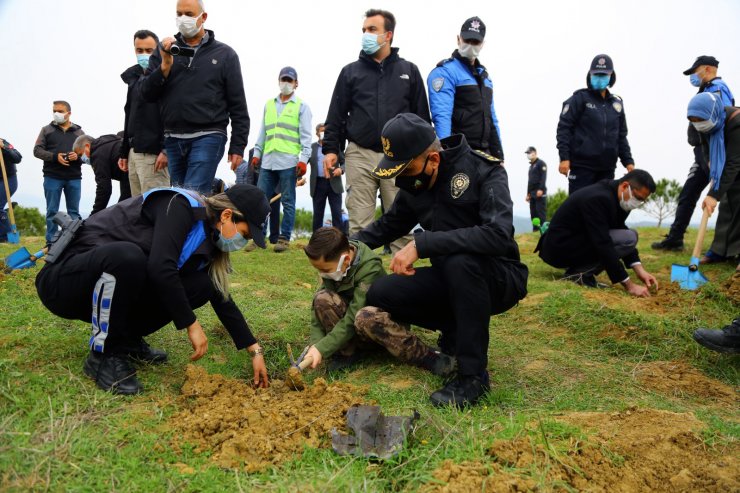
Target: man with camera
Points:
(62, 166)
(197, 81)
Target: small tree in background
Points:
(29, 220)
(554, 201)
(663, 203)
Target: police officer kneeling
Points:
(588, 234)
(461, 199)
(148, 261)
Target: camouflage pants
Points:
(330, 309)
(376, 325)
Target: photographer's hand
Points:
(61, 159)
(167, 59)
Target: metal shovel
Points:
(22, 259)
(688, 276)
(13, 236)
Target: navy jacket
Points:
(461, 100)
(537, 177)
(201, 93)
(11, 157)
(368, 94)
(104, 153)
(142, 130)
(592, 131)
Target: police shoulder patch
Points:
(459, 183)
(438, 83)
(566, 107)
(544, 168)
(617, 107)
(485, 155)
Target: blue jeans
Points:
(285, 178)
(4, 222)
(192, 162)
(53, 188)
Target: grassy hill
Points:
(591, 389)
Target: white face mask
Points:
(338, 274)
(531, 156)
(704, 127)
(188, 26)
(286, 88)
(631, 203)
(467, 50)
(321, 135)
(59, 118)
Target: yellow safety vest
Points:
(283, 133)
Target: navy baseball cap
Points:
(602, 64)
(702, 60)
(254, 206)
(473, 28)
(288, 72)
(404, 137)
(530, 149)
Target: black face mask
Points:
(415, 184)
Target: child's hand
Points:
(316, 355)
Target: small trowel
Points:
(294, 377)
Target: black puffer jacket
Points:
(142, 129)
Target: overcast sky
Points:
(537, 53)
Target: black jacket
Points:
(468, 210)
(731, 171)
(142, 130)
(104, 153)
(53, 140)
(579, 231)
(368, 94)
(201, 93)
(592, 131)
(537, 177)
(11, 157)
(335, 182)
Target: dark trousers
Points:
(537, 208)
(274, 221)
(322, 193)
(695, 184)
(107, 286)
(456, 295)
(581, 176)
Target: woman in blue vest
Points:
(150, 260)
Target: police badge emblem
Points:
(438, 83)
(617, 107)
(460, 182)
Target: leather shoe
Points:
(463, 391)
(144, 352)
(726, 340)
(112, 372)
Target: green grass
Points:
(562, 349)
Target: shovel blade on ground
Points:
(21, 259)
(688, 277)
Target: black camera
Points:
(177, 50)
(65, 156)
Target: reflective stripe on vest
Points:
(197, 233)
(283, 133)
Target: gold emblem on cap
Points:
(386, 146)
(382, 173)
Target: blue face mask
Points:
(84, 158)
(370, 43)
(600, 82)
(236, 242)
(143, 60)
(695, 80)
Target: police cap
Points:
(253, 205)
(702, 60)
(473, 28)
(404, 137)
(602, 64)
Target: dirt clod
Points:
(294, 379)
(254, 429)
(678, 379)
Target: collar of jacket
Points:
(72, 126)
(132, 73)
(453, 147)
(389, 59)
(211, 39)
(707, 84)
(456, 54)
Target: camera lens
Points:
(175, 50)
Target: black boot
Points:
(463, 391)
(112, 372)
(439, 364)
(670, 244)
(726, 340)
(142, 351)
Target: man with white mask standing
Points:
(282, 149)
(197, 81)
(461, 94)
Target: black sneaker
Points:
(726, 340)
(670, 244)
(439, 364)
(112, 373)
(582, 279)
(463, 391)
(144, 352)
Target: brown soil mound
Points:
(634, 450)
(678, 379)
(255, 429)
(732, 288)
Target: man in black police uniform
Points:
(536, 189)
(592, 131)
(461, 199)
(587, 234)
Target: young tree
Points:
(663, 203)
(555, 200)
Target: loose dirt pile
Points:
(254, 429)
(634, 450)
(679, 379)
(732, 288)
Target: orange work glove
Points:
(300, 169)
